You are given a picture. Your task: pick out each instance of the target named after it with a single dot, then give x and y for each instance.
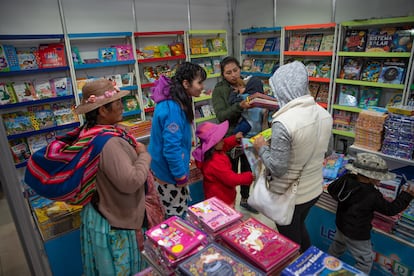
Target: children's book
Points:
(371, 70)
(402, 40)
(249, 43)
(348, 95)
(316, 262)
(355, 40)
(213, 214)
(379, 40)
(42, 116)
(24, 91)
(127, 79)
(17, 122)
(313, 88)
(270, 43)
(327, 43)
(124, 52)
(39, 141)
(312, 42)
(259, 45)
(44, 89)
(276, 45)
(393, 71)
(52, 55)
(323, 93)
(269, 66)
(369, 96)
(311, 66)
(176, 236)
(7, 94)
(296, 42)
(262, 100)
(323, 69)
(4, 64)
(116, 79)
(258, 65)
(262, 245)
(130, 103)
(351, 69)
(216, 260)
(20, 150)
(107, 54)
(64, 113)
(27, 58)
(61, 86)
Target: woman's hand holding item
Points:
(140, 148)
(239, 136)
(259, 142)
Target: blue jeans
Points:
(360, 250)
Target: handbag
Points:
(277, 207)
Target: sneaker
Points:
(249, 208)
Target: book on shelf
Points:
(24, 91)
(20, 150)
(260, 244)
(176, 236)
(323, 93)
(51, 55)
(393, 71)
(115, 78)
(313, 88)
(269, 66)
(369, 96)
(27, 57)
(258, 65)
(39, 141)
(249, 43)
(355, 40)
(64, 113)
(108, 54)
(44, 89)
(42, 116)
(17, 122)
(130, 103)
(259, 45)
(371, 70)
(402, 40)
(7, 95)
(351, 69)
(214, 259)
(348, 95)
(323, 69)
(379, 40)
(213, 214)
(327, 43)
(61, 86)
(312, 42)
(262, 100)
(316, 262)
(311, 66)
(296, 42)
(271, 44)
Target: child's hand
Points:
(259, 142)
(239, 135)
(244, 104)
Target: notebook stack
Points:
(263, 246)
(173, 241)
(213, 216)
(216, 260)
(316, 262)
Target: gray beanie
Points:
(289, 82)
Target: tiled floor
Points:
(12, 259)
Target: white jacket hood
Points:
(289, 82)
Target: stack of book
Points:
(263, 246)
(404, 228)
(213, 216)
(174, 240)
(316, 262)
(369, 130)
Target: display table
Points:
(394, 256)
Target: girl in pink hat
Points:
(211, 158)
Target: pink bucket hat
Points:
(209, 134)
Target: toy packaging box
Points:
(213, 215)
(176, 236)
(262, 245)
(316, 262)
(216, 260)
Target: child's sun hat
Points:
(370, 165)
(98, 93)
(209, 134)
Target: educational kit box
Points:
(216, 260)
(316, 262)
(263, 246)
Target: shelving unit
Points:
(314, 45)
(42, 109)
(89, 61)
(256, 60)
(349, 90)
(166, 63)
(206, 48)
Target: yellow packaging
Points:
(267, 134)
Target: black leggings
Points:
(244, 167)
(296, 231)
